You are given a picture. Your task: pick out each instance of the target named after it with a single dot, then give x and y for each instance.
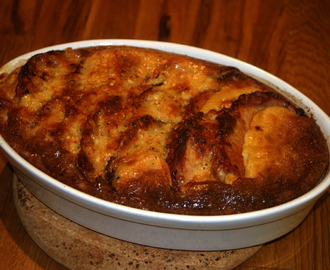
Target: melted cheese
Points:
(196, 168)
(134, 167)
(225, 97)
(266, 140)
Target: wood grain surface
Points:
(288, 38)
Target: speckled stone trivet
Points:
(76, 247)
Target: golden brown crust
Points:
(160, 131)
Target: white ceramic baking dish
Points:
(169, 230)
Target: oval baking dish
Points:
(163, 230)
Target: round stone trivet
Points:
(76, 247)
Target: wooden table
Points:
(290, 39)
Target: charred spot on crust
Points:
(24, 81)
(227, 122)
(230, 73)
(83, 162)
(111, 105)
(143, 122)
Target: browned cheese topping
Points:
(160, 131)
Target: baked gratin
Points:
(160, 131)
